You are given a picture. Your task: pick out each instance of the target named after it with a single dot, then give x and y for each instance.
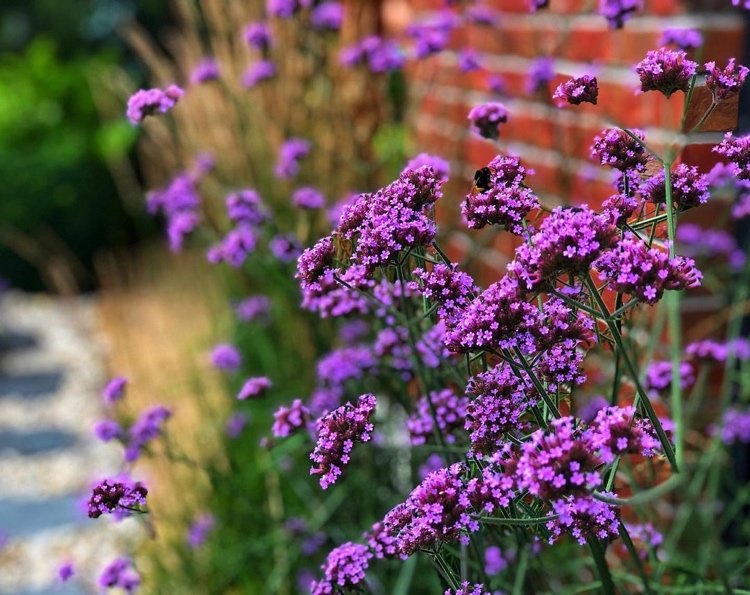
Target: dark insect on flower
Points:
(482, 180)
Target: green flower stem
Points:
(537, 384)
(602, 569)
(645, 496)
(488, 520)
(673, 299)
(641, 397)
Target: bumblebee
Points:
(482, 180)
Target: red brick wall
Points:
(553, 141)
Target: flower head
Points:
(618, 11)
(725, 83)
(666, 71)
(118, 495)
(578, 90)
(258, 35)
(120, 573)
(584, 517)
(288, 420)
(448, 409)
(254, 387)
(487, 118)
(148, 102)
(206, 70)
(253, 308)
(616, 431)
(291, 152)
(467, 588)
(246, 206)
(616, 148)
(200, 529)
(236, 424)
(440, 167)
(338, 431)
(146, 428)
(684, 39)
(378, 54)
(327, 15)
(540, 74)
(447, 287)
(344, 569)
(689, 187)
(65, 571)
(226, 357)
(106, 430)
(308, 198)
(114, 390)
(259, 72)
(737, 150)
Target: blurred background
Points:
(91, 290)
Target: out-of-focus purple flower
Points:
(258, 35)
(577, 90)
(308, 198)
(723, 84)
(644, 535)
(236, 424)
(535, 5)
(432, 37)
(710, 244)
(684, 39)
(148, 102)
(440, 167)
(500, 196)
(327, 15)
(285, 247)
(540, 74)
(431, 347)
(236, 246)
(659, 376)
(618, 11)
(253, 308)
(226, 357)
(468, 60)
(494, 561)
(344, 569)
(666, 71)
(338, 431)
(616, 148)
(480, 14)
(288, 420)
(735, 426)
(379, 55)
(106, 430)
(200, 529)
(120, 573)
(284, 9)
(206, 70)
(348, 363)
(645, 273)
(433, 463)
(590, 408)
(497, 84)
(114, 390)
(448, 409)
(65, 571)
(584, 517)
(262, 70)
(324, 399)
(291, 152)
(254, 388)
(146, 428)
(119, 495)
(246, 206)
(486, 119)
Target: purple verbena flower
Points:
(258, 35)
(684, 39)
(467, 588)
(431, 37)
(226, 357)
(578, 90)
(448, 409)
(236, 424)
(308, 198)
(633, 268)
(348, 363)
(618, 11)
(327, 15)
(440, 167)
(487, 118)
(494, 561)
(148, 102)
(737, 150)
(198, 532)
(291, 152)
(254, 388)
(337, 432)
(146, 428)
(262, 70)
(106, 430)
(448, 288)
(253, 308)
(344, 569)
(616, 148)
(114, 390)
(118, 495)
(288, 420)
(246, 206)
(120, 573)
(206, 70)
(284, 9)
(723, 84)
(689, 187)
(666, 71)
(616, 431)
(468, 60)
(583, 518)
(735, 426)
(285, 247)
(65, 571)
(378, 54)
(236, 246)
(500, 196)
(659, 376)
(540, 74)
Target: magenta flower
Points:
(689, 187)
(487, 118)
(308, 198)
(236, 246)
(259, 72)
(338, 431)
(114, 390)
(327, 15)
(735, 426)
(633, 268)
(246, 206)
(379, 55)
(447, 287)
(344, 569)
(226, 357)
(288, 420)
(206, 70)
(65, 571)
(500, 196)
(540, 74)
(737, 150)
(291, 152)
(440, 167)
(616, 431)
(258, 35)
(468, 60)
(236, 424)
(146, 428)
(666, 71)
(106, 430)
(684, 39)
(148, 102)
(449, 411)
(118, 495)
(120, 573)
(467, 588)
(578, 90)
(253, 308)
(616, 148)
(583, 518)
(618, 11)
(254, 388)
(200, 529)
(723, 84)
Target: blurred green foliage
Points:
(53, 154)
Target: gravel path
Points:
(50, 377)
